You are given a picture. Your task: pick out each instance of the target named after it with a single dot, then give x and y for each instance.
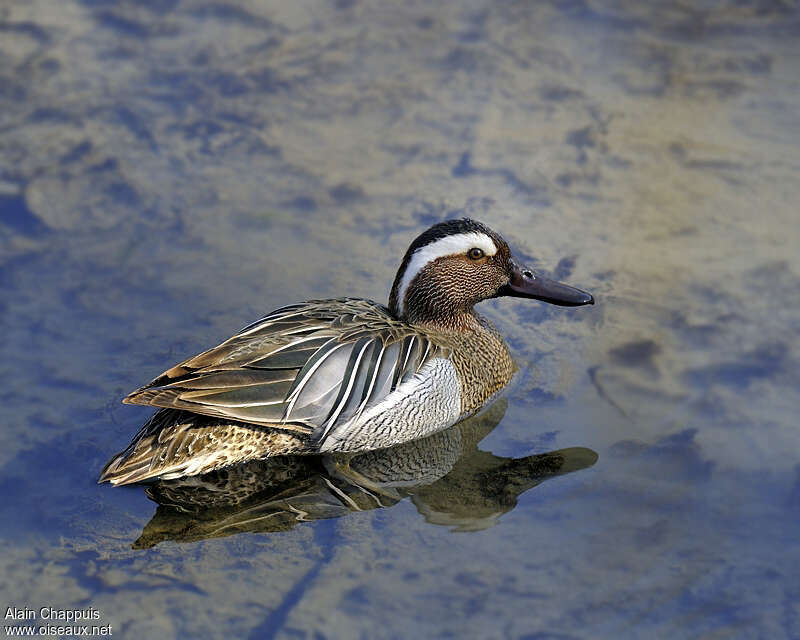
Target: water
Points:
(171, 170)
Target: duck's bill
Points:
(526, 283)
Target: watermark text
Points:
(54, 621)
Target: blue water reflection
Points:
(171, 170)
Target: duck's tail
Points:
(173, 444)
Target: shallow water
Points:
(170, 170)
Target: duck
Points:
(344, 375)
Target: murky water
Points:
(170, 170)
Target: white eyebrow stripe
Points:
(447, 246)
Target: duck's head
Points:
(455, 264)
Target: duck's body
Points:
(342, 375)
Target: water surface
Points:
(171, 170)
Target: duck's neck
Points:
(448, 322)
(430, 303)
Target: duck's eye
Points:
(475, 253)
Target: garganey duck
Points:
(345, 375)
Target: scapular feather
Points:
(315, 364)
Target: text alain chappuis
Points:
(53, 621)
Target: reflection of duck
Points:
(448, 478)
(344, 375)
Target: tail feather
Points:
(178, 443)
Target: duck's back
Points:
(307, 368)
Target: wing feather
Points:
(348, 381)
(305, 367)
(313, 363)
(249, 396)
(240, 378)
(372, 376)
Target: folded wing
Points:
(305, 368)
